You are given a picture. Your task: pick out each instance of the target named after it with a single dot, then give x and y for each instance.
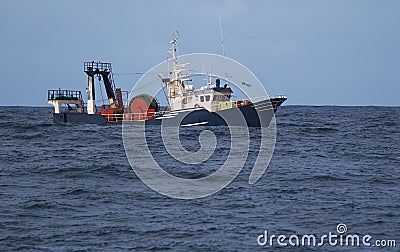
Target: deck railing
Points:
(59, 94)
(262, 98)
(129, 117)
(96, 66)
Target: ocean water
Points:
(71, 187)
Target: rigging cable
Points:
(101, 92)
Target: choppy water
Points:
(71, 188)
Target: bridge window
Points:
(207, 98)
(221, 97)
(201, 98)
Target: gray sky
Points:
(315, 52)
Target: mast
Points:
(175, 84)
(176, 73)
(91, 102)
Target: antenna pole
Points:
(222, 37)
(223, 47)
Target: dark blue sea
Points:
(71, 187)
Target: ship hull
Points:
(254, 115)
(70, 117)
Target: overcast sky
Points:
(315, 52)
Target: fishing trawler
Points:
(208, 105)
